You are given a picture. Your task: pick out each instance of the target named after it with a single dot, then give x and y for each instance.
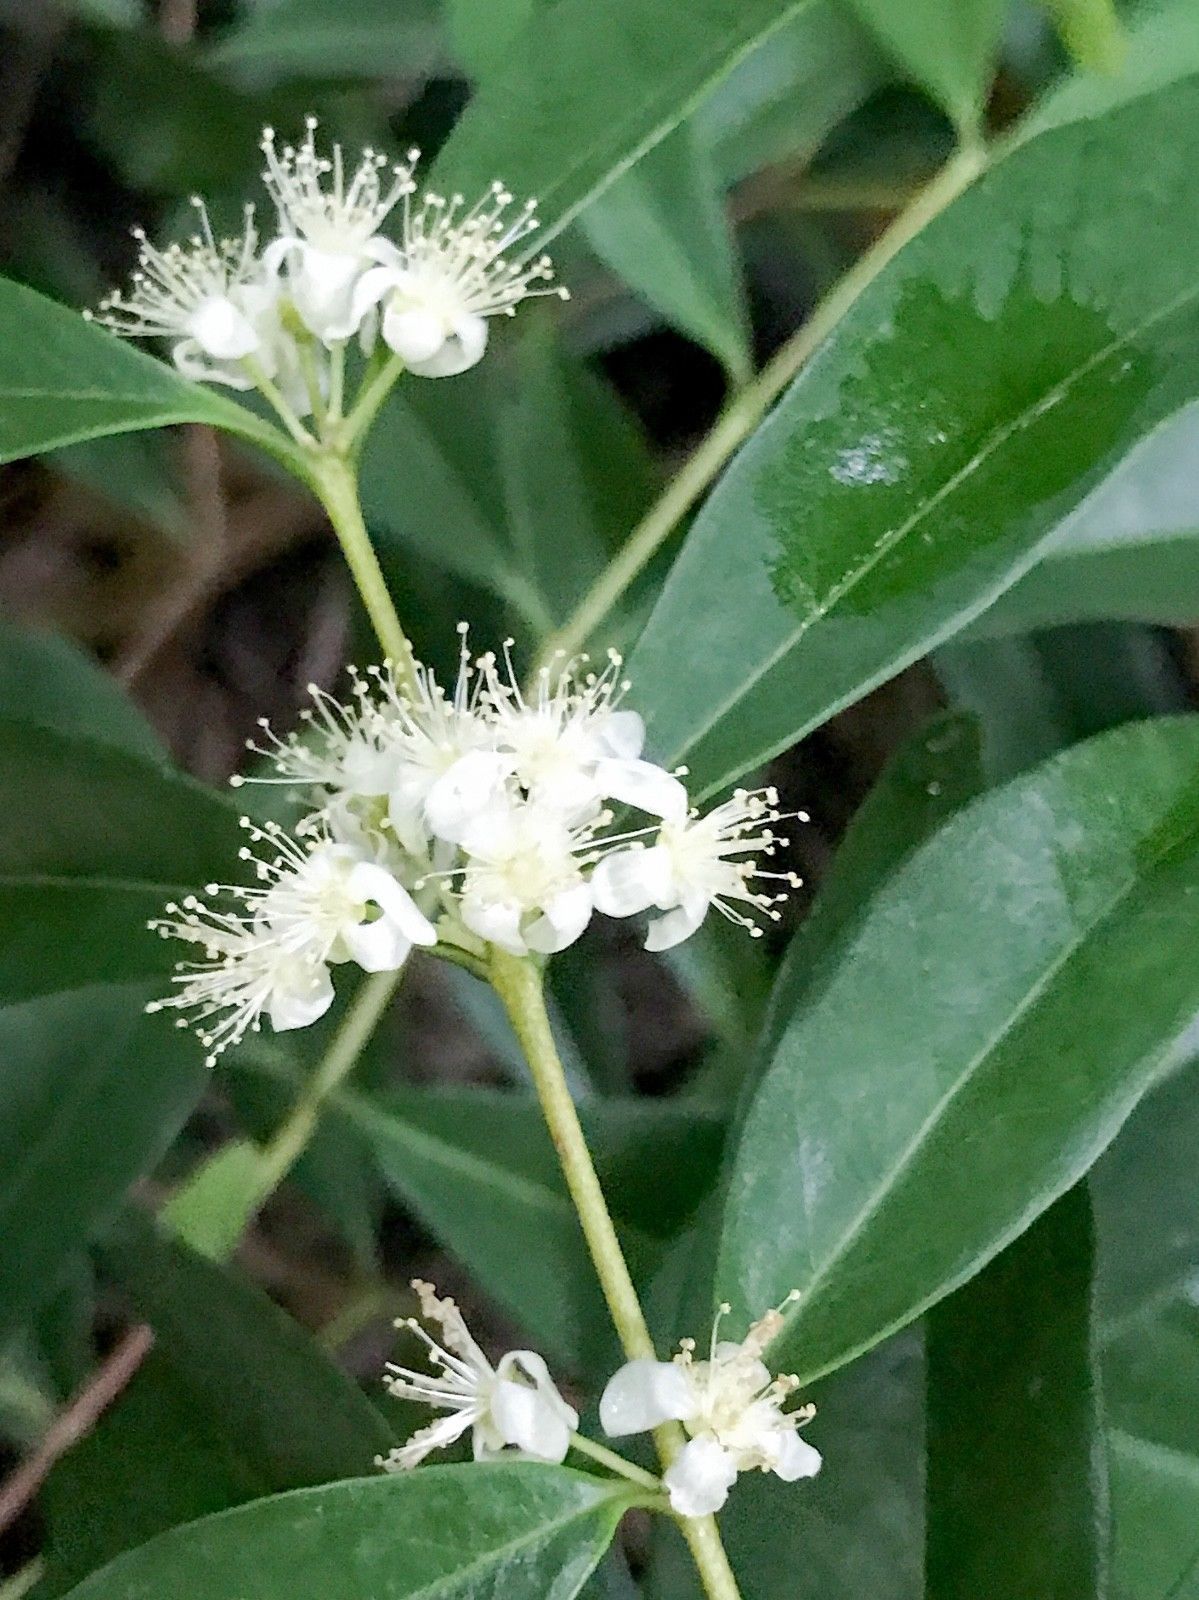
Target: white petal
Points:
(536, 1420)
(795, 1457)
(497, 921)
(700, 1477)
(642, 784)
(677, 925)
(193, 363)
(622, 735)
(464, 793)
(295, 1006)
(628, 881)
(462, 349)
(644, 1393)
(221, 330)
(323, 291)
(374, 285)
(376, 946)
(416, 335)
(371, 882)
(566, 916)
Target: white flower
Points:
(522, 885)
(449, 276)
(572, 746)
(315, 903)
(512, 1406)
(205, 296)
(730, 1406)
(328, 228)
(696, 863)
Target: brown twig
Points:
(74, 1423)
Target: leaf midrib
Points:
(992, 443)
(669, 98)
(1032, 996)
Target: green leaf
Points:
(133, 472)
(786, 95)
(210, 1212)
(1155, 1514)
(1130, 551)
(948, 46)
(1041, 906)
(930, 778)
(1147, 1207)
(50, 682)
(1091, 31)
(63, 379)
(894, 493)
(70, 1065)
(482, 31)
(479, 1169)
(94, 842)
(1016, 1491)
(597, 84)
(1161, 46)
(481, 1529)
(249, 1366)
(663, 229)
(852, 1532)
(234, 1402)
(325, 39)
(1035, 695)
(154, 1461)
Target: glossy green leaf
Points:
(1002, 1031)
(1161, 45)
(663, 229)
(154, 1461)
(1033, 695)
(1147, 1207)
(1149, 1379)
(932, 776)
(482, 31)
(326, 39)
(1130, 551)
(50, 682)
(948, 46)
(234, 1402)
(70, 1065)
(94, 842)
(785, 96)
(1155, 1513)
(479, 1169)
(1016, 1498)
(63, 379)
(600, 82)
(248, 1365)
(852, 1532)
(133, 471)
(896, 490)
(464, 1531)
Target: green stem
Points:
(614, 1463)
(335, 481)
(747, 409)
(291, 1138)
(518, 983)
(337, 381)
(272, 393)
(380, 378)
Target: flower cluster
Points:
(470, 820)
(729, 1405)
(243, 316)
